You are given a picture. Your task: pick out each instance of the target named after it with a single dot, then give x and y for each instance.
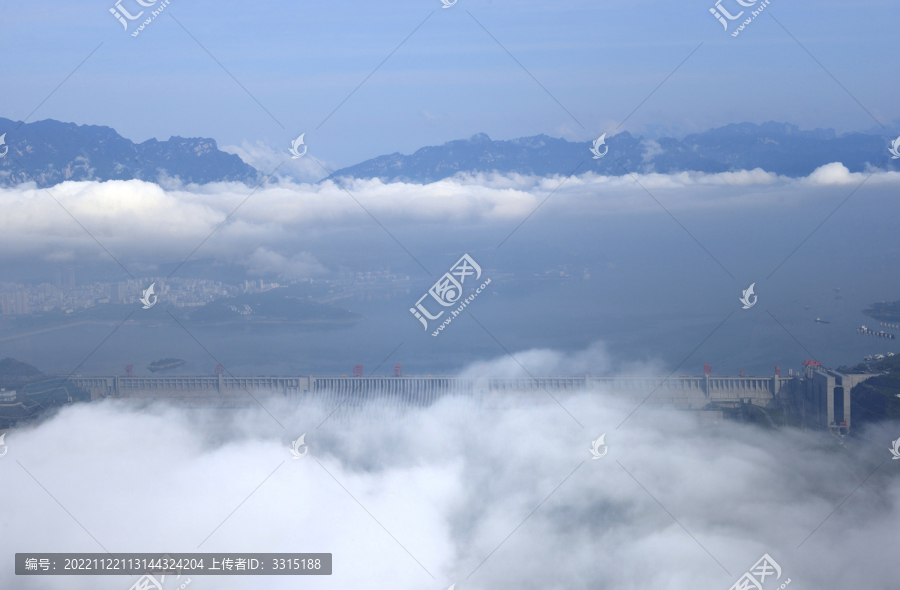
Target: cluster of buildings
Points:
(877, 333)
(67, 296)
(14, 303)
(878, 357)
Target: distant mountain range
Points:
(55, 152)
(775, 147)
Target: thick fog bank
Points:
(446, 486)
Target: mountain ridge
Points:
(781, 148)
(54, 152)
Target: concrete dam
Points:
(820, 398)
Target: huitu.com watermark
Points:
(448, 291)
(124, 15)
(756, 577)
(746, 298)
(298, 444)
(721, 13)
(295, 152)
(597, 446)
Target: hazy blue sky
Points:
(450, 79)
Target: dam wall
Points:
(685, 392)
(819, 399)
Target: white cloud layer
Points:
(141, 220)
(593, 360)
(450, 483)
(298, 266)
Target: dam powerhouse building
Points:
(816, 397)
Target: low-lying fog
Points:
(490, 494)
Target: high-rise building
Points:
(21, 302)
(119, 292)
(70, 277)
(58, 278)
(7, 304)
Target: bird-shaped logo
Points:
(596, 149)
(895, 149)
(448, 4)
(295, 144)
(746, 298)
(596, 445)
(295, 449)
(895, 451)
(3, 143)
(148, 293)
(3, 445)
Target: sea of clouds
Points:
(483, 492)
(149, 222)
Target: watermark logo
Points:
(117, 11)
(596, 148)
(448, 4)
(447, 291)
(748, 293)
(295, 144)
(6, 449)
(596, 445)
(300, 442)
(895, 451)
(721, 13)
(757, 575)
(121, 13)
(148, 293)
(718, 14)
(148, 582)
(895, 148)
(3, 143)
